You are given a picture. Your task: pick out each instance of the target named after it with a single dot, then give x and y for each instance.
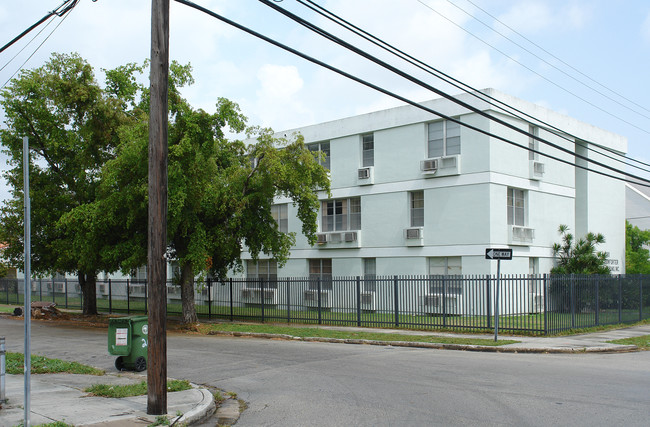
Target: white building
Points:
(415, 195)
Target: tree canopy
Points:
(579, 256)
(72, 124)
(89, 177)
(637, 255)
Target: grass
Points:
(117, 391)
(45, 365)
(328, 333)
(7, 308)
(643, 342)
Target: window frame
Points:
(369, 159)
(270, 278)
(321, 147)
(325, 277)
(280, 213)
(413, 210)
(345, 214)
(512, 198)
(447, 127)
(533, 144)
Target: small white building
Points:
(412, 194)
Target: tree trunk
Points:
(88, 284)
(187, 294)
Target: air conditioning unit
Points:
(367, 301)
(350, 236)
(103, 289)
(522, 234)
(334, 238)
(311, 299)
(321, 238)
(364, 173)
(59, 287)
(413, 233)
(254, 296)
(433, 304)
(429, 165)
(136, 290)
(536, 170)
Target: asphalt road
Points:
(289, 383)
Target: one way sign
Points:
(498, 254)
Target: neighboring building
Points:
(416, 195)
(637, 206)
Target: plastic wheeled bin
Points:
(127, 339)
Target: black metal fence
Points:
(541, 304)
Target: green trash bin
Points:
(127, 339)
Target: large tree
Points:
(72, 124)
(637, 255)
(220, 192)
(579, 256)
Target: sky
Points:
(589, 59)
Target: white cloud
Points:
(280, 82)
(536, 15)
(278, 97)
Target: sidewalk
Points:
(60, 397)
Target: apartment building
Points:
(412, 194)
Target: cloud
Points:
(535, 16)
(279, 82)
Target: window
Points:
(279, 213)
(368, 150)
(533, 144)
(323, 147)
(369, 274)
(416, 203)
(320, 269)
(263, 271)
(139, 274)
(341, 214)
(516, 207)
(444, 139)
(446, 266)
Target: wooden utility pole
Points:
(157, 238)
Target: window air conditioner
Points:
(311, 299)
(413, 233)
(321, 238)
(429, 165)
(367, 301)
(350, 236)
(364, 173)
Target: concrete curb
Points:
(204, 409)
(438, 346)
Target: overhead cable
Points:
(459, 84)
(640, 181)
(412, 79)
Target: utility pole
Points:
(157, 235)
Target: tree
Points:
(637, 255)
(220, 192)
(581, 256)
(72, 125)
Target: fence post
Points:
(65, 284)
(640, 298)
(489, 301)
(145, 297)
(620, 299)
(288, 302)
(53, 290)
(40, 288)
(597, 300)
(444, 301)
(128, 297)
(231, 301)
(209, 298)
(110, 297)
(358, 301)
(573, 302)
(2, 370)
(318, 287)
(545, 293)
(396, 292)
(262, 296)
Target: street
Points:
(289, 383)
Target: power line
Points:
(455, 82)
(535, 72)
(412, 79)
(642, 181)
(60, 11)
(544, 60)
(554, 56)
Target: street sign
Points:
(498, 254)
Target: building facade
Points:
(412, 194)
